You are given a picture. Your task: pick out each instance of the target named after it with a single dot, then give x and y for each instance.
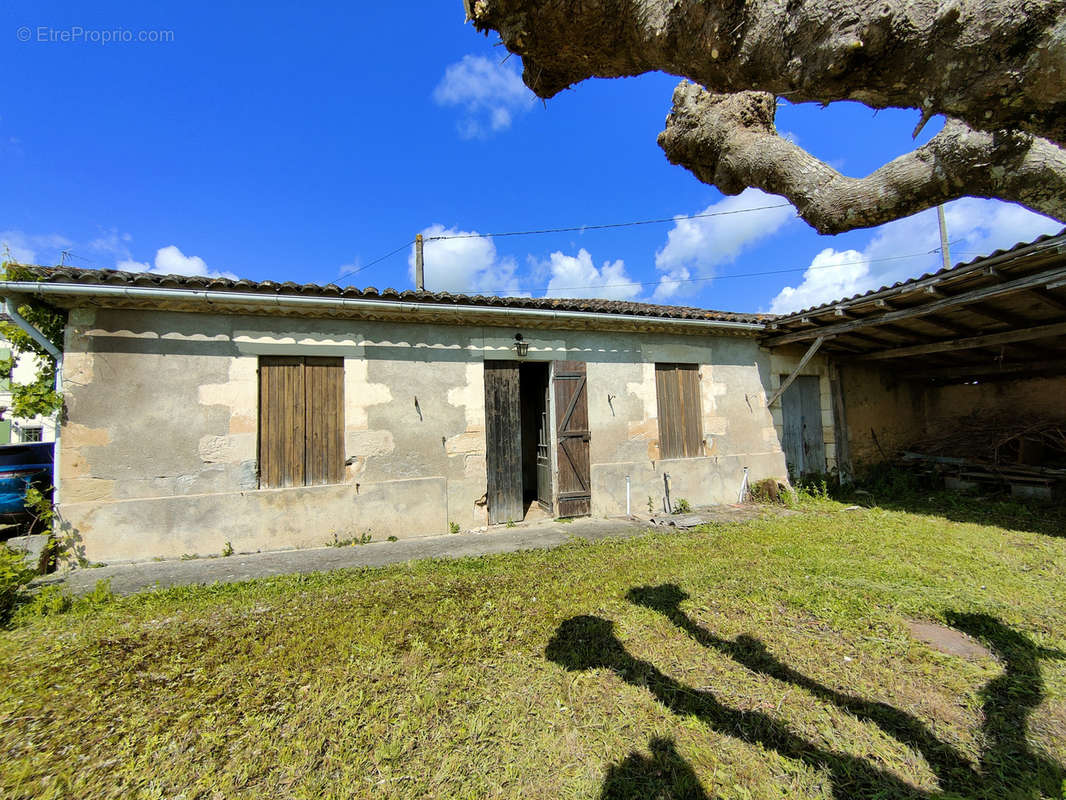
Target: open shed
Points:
(966, 364)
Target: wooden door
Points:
(803, 441)
(572, 436)
(503, 442)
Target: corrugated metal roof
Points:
(109, 277)
(940, 272)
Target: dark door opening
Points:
(536, 435)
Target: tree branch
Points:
(729, 141)
(995, 64)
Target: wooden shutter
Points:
(503, 442)
(572, 433)
(324, 420)
(677, 390)
(301, 421)
(281, 421)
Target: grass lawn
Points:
(755, 660)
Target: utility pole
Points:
(944, 251)
(420, 279)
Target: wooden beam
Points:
(1048, 298)
(985, 370)
(803, 362)
(952, 327)
(988, 340)
(962, 299)
(995, 315)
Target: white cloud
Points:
(464, 265)
(31, 249)
(113, 243)
(577, 276)
(696, 245)
(489, 92)
(908, 247)
(170, 260)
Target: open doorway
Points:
(533, 382)
(518, 435)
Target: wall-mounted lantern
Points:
(521, 346)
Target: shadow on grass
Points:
(901, 489)
(1008, 766)
(665, 775)
(1001, 512)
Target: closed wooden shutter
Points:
(324, 420)
(677, 390)
(301, 421)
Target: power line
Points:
(735, 274)
(390, 254)
(607, 225)
(572, 229)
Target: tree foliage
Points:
(40, 395)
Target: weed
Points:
(454, 527)
(14, 577)
(651, 505)
(510, 523)
(768, 490)
(682, 506)
(189, 556)
(227, 550)
(48, 601)
(564, 520)
(393, 539)
(350, 542)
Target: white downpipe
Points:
(397, 307)
(627, 495)
(11, 309)
(743, 487)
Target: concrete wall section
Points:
(159, 448)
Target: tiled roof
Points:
(109, 277)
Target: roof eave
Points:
(71, 295)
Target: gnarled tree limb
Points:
(729, 140)
(994, 64)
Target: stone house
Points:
(204, 411)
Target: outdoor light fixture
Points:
(521, 346)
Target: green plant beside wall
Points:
(40, 395)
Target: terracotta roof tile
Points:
(110, 277)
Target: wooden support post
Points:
(840, 426)
(803, 362)
(420, 280)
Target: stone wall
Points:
(159, 447)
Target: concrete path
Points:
(130, 578)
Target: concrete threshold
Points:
(153, 575)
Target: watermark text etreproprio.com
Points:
(76, 34)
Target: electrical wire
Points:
(390, 254)
(606, 225)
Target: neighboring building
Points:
(16, 430)
(204, 411)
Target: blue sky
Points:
(296, 144)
